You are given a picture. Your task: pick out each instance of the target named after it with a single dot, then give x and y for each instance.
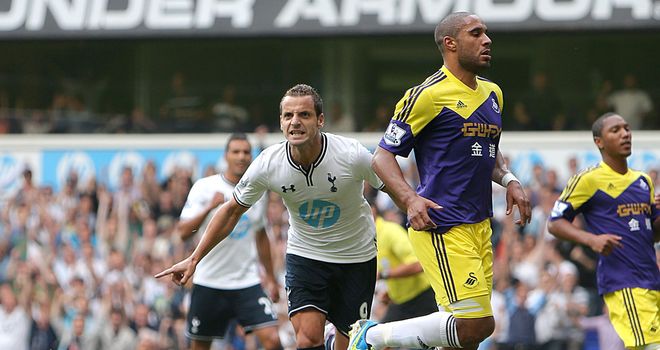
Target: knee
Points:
(471, 332)
(308, 339)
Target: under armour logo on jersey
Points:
(610, 187)
(332, 179)
(291, 188)
(643, 185)
(460, 104)
(471, 282)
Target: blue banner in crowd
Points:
(106, 165)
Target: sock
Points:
(435, 330)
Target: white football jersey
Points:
(329, 218)
(232, 264)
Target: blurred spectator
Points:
(229, 116)
(42, 334)
(382, 116)
(79, 336)
(37, 122)
(608, 339)
(28, 192)
(337, 120)
(116, 335)
(522, 316)
(139, 122)
(540, 108)
(633, 103)
(14, 320)
(150, 188)
(183, 108)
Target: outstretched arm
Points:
(601, 244)
(222, 223)
(388, 170)
(515, 194)
(187, 228)
(265, 258)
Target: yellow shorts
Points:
(459, 265)
(635, 315)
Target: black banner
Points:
(189, 18)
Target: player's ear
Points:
(599, 143)
(321, 120)
(449, 43)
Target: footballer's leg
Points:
(255, 313)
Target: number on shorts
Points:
(364, 311)
(268, 306)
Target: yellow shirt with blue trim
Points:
(455, 133)
(620, 204)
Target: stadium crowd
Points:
(77, 266)
(73, 109)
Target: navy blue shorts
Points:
(212, 309)
(343, 292)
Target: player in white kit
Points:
(227, 284)
(331, 252)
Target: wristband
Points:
(508, 177)
(383, 275)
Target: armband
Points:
(508, 177)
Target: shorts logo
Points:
(393, 135)
(195, 325)
(472, 281)
(319, 214)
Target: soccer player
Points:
(453, 122)
(227, 284)
(331, 255)
(622, 222)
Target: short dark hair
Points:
(449, 26)
(597, 126)
(305, 90)
(236, 136)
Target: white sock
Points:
(437, 329)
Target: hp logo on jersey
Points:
(319, 214)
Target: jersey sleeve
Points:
(577, 192)
(655, 213)
(413, 112)
(363, 167)
(195, 202)
(500, 98)
(253, 184)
